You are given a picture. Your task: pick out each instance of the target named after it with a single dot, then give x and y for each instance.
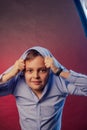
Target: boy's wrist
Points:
(58, 71)
(54, 69)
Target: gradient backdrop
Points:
(53, 24)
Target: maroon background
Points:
(52, 24)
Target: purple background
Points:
(52, 24)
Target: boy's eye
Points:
(29, 70)
(43, 70)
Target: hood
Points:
(44, 52)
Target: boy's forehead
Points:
(36, 67)
(36, 58)
(39, 61)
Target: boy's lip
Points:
(36, 82)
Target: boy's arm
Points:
(17, 67)
(49, 62)
(76, 82)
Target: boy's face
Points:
(36, 74)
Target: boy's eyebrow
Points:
(26, 69)
(38, 68)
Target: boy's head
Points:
(36, 73)
(32, 54)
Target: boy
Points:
(40, 85)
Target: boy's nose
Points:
(36, 74)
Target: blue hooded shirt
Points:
(44, 113)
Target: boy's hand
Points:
(19, 65)
(49, 63)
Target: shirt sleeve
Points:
(7, 87)
(0, 77)
(76, 84)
